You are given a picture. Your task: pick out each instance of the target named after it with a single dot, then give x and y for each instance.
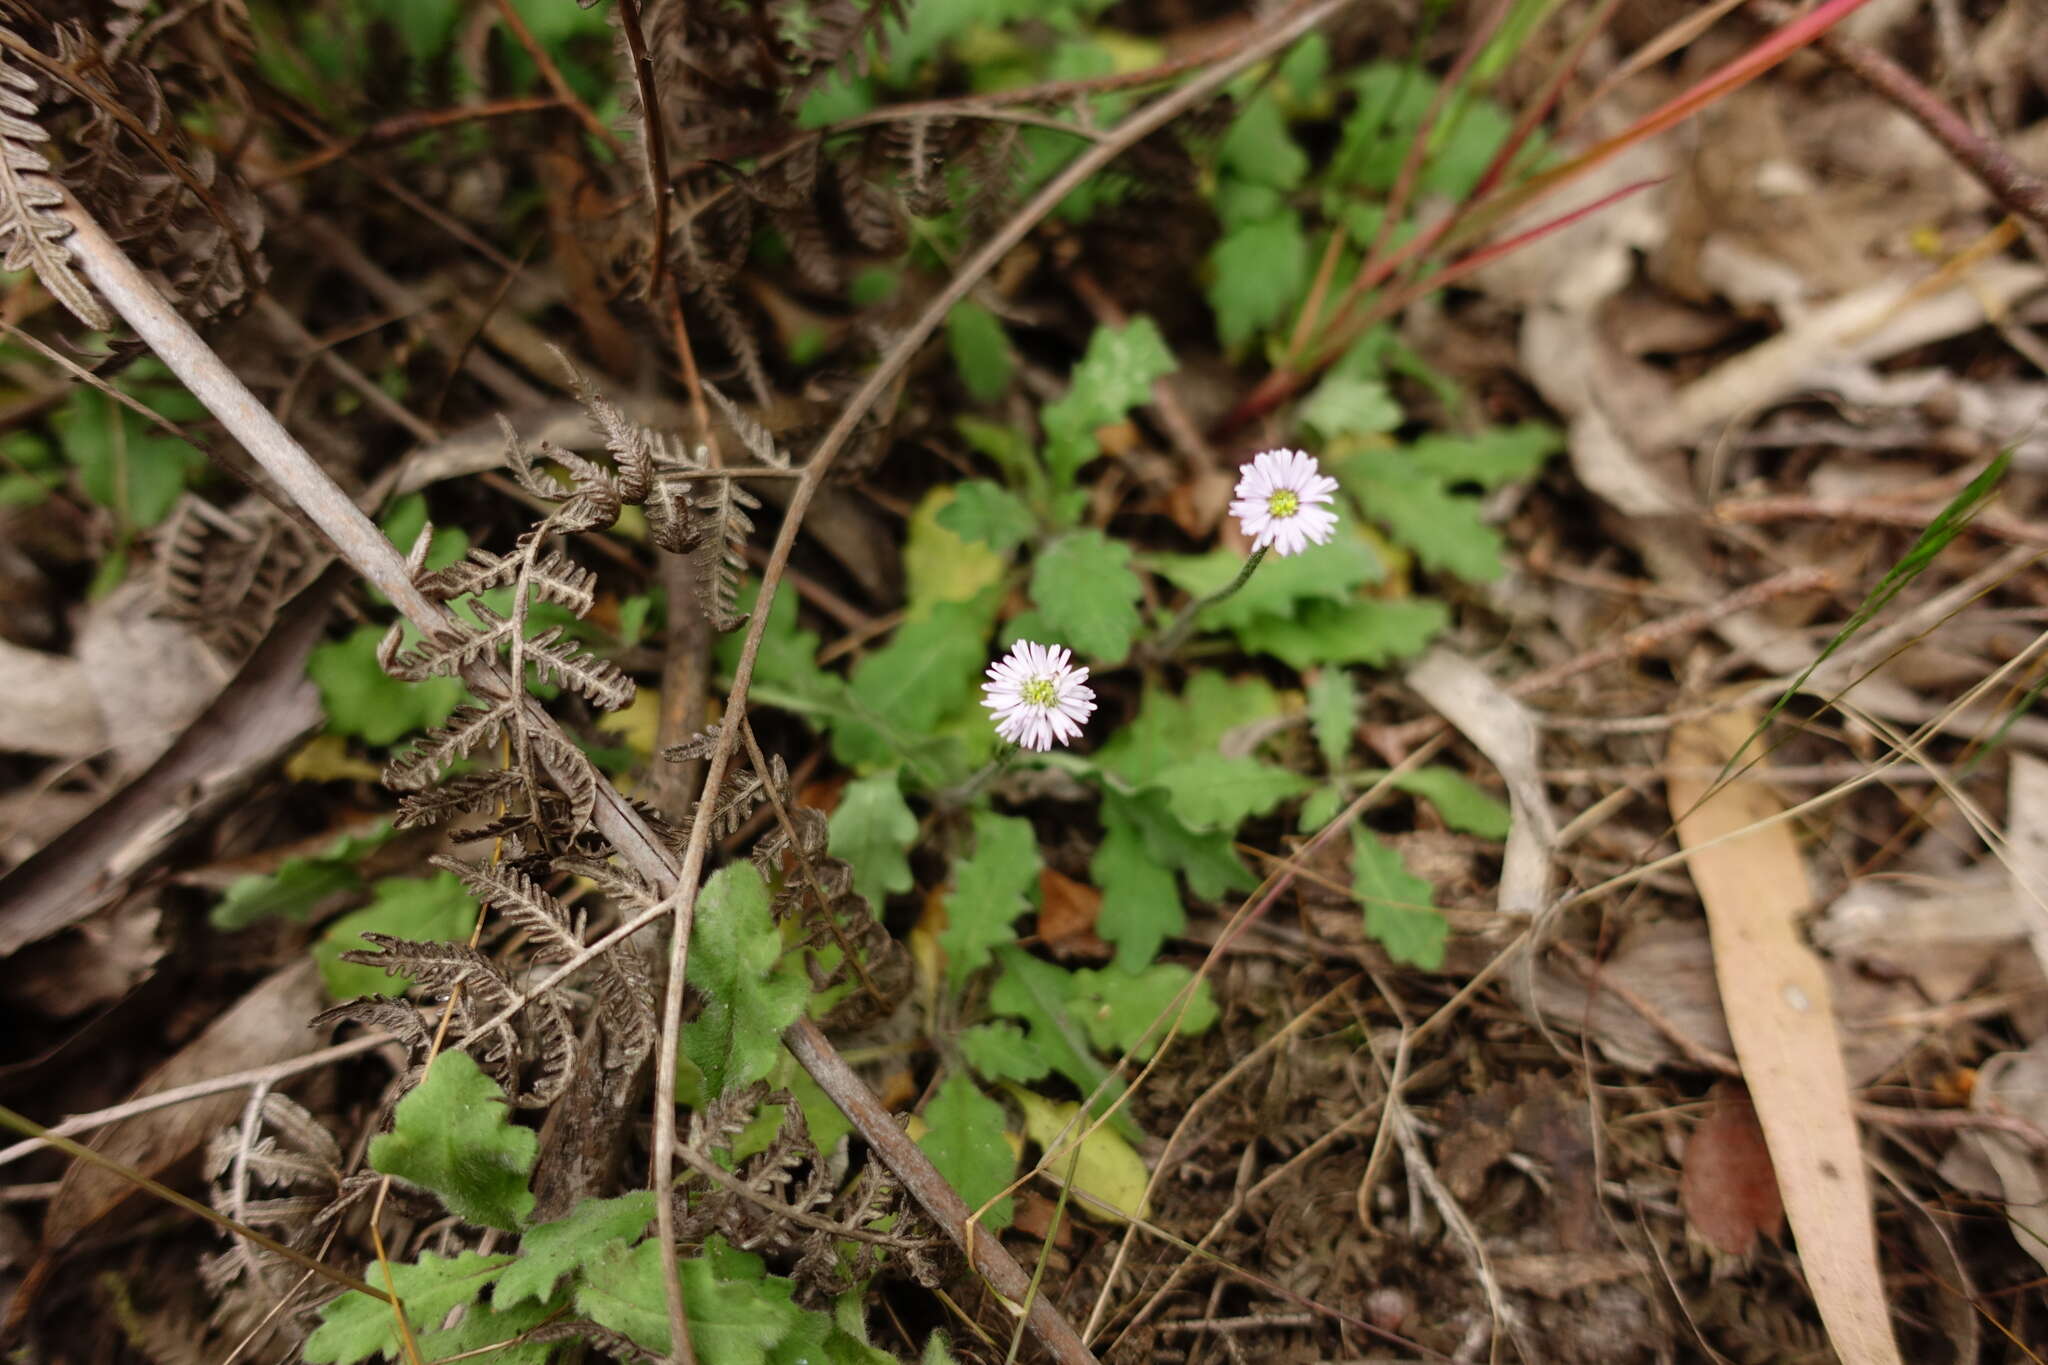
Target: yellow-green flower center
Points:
(1284, 503)
(1039, 692)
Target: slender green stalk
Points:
(971, 788)
(1185, 622)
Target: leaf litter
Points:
(1464, 1080)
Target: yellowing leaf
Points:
(636, 723)
(325, 758)
(1108, 1169)
(938, 566)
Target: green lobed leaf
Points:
(1345, 405)
(1170, 728)
(938, 565)
(1001, 1052)
(990, 889)
(928, 671)
(432, 909)
(486, 1326)
(1491, 458)
(355, 1326)
(988, 514)
(873, 829)
(299, 884)
(1204, 858)
(1333, 713)
(1037, 993)
(981, 351)
(364, 702)
(964, 1139)
(1141, 906)
(1281, 585)
(1444, 529)
(1126, 1011)
(1462, 804)
(1215, 792)
(1114, 376)
(1400, 907)
(1083, 585)
(1360, 632)
(453, 1134)
(750, 994)
(938, 1350)
(1256, 275)
(550, 1251)
(737, 1313)
(788, 660)
(1258, 147)
(124, 463)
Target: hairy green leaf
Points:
(989, 892)
(1258, 147)
(1116, 375)
(1205, 859)
(1281, 585)
(1257, 273)
(1084, 587)
(929, 671)
(549, 1251)
(1214, 792)
(1462, 804)
(1037, 993)
(1400, 907)
(454, 1135)
(363, 701)
(1333, 713)
(981, 351)
(1169, 729)
(735, 1312)
(965, 1141)
(1360, 632)
(988, 514)
(750, 994)
(434, 909)
(1345, 405)
(1443, 528)
(1126, 1011)
(299, 884)
(355, 1326)
(1491, 458)
(1141, 906)
(940, 566)
(484, 1325)
(1001, 1052)
(873, 829)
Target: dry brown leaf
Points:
(1066, 920)
(2012, 1083)
(265, 1026)
(1729, 1189)
(1781, 1018)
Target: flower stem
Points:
(1177, 633)
(968, 790)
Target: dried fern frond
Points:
(696, 746)
(567, 664)
(757, 439)
(31, 236)
(722, 553)
(520, 899)
(467, 729)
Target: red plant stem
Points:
(1474, 222)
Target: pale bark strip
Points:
(1782, 1020)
